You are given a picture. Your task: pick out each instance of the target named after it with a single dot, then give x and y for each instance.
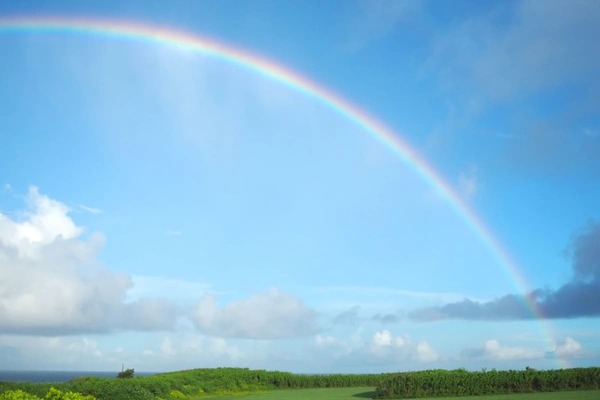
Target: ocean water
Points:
(56, 376)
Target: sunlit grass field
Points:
(368, 392)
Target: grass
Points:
(368, 392)
(354, 393)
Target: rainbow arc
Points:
(135, 31)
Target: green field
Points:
(368, 392)
(355, 393)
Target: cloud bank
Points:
(492, 349)
(272, 315)
(385, 345)
(580, 297)
(52, 284)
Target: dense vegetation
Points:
(437, 383)
(200, 382)
(196, 382)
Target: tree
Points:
(128, 373)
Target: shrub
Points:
(17, 395)
(176, 394)
(130, 389)
(53, 394)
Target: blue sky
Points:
(169, 210)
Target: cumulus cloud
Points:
(580, 297)
(175, 350)
(493, 350)
(330, 347)
(51, 282)
(189, 349)
(384, 345)
(270, 315)
(381, 348)
(43, 222)
(30, 352)
(567, 348)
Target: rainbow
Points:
(135, 31)
(212, 48)
(270, 69)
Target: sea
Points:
(56, 376)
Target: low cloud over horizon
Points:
(494, 350)
(51, 282)
(271, 315)
(579, 297)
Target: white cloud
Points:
(51, 282)
(324, 340)
(567, 348)
(45, 221)
(91, 210)
(426, 353)
(384, 338)
(384, 345)
(143, 351)
(187, 346)
(381, 350)
(493, 350)
(30, 352)
(86, 346)
(327, 347)
(263, 316)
